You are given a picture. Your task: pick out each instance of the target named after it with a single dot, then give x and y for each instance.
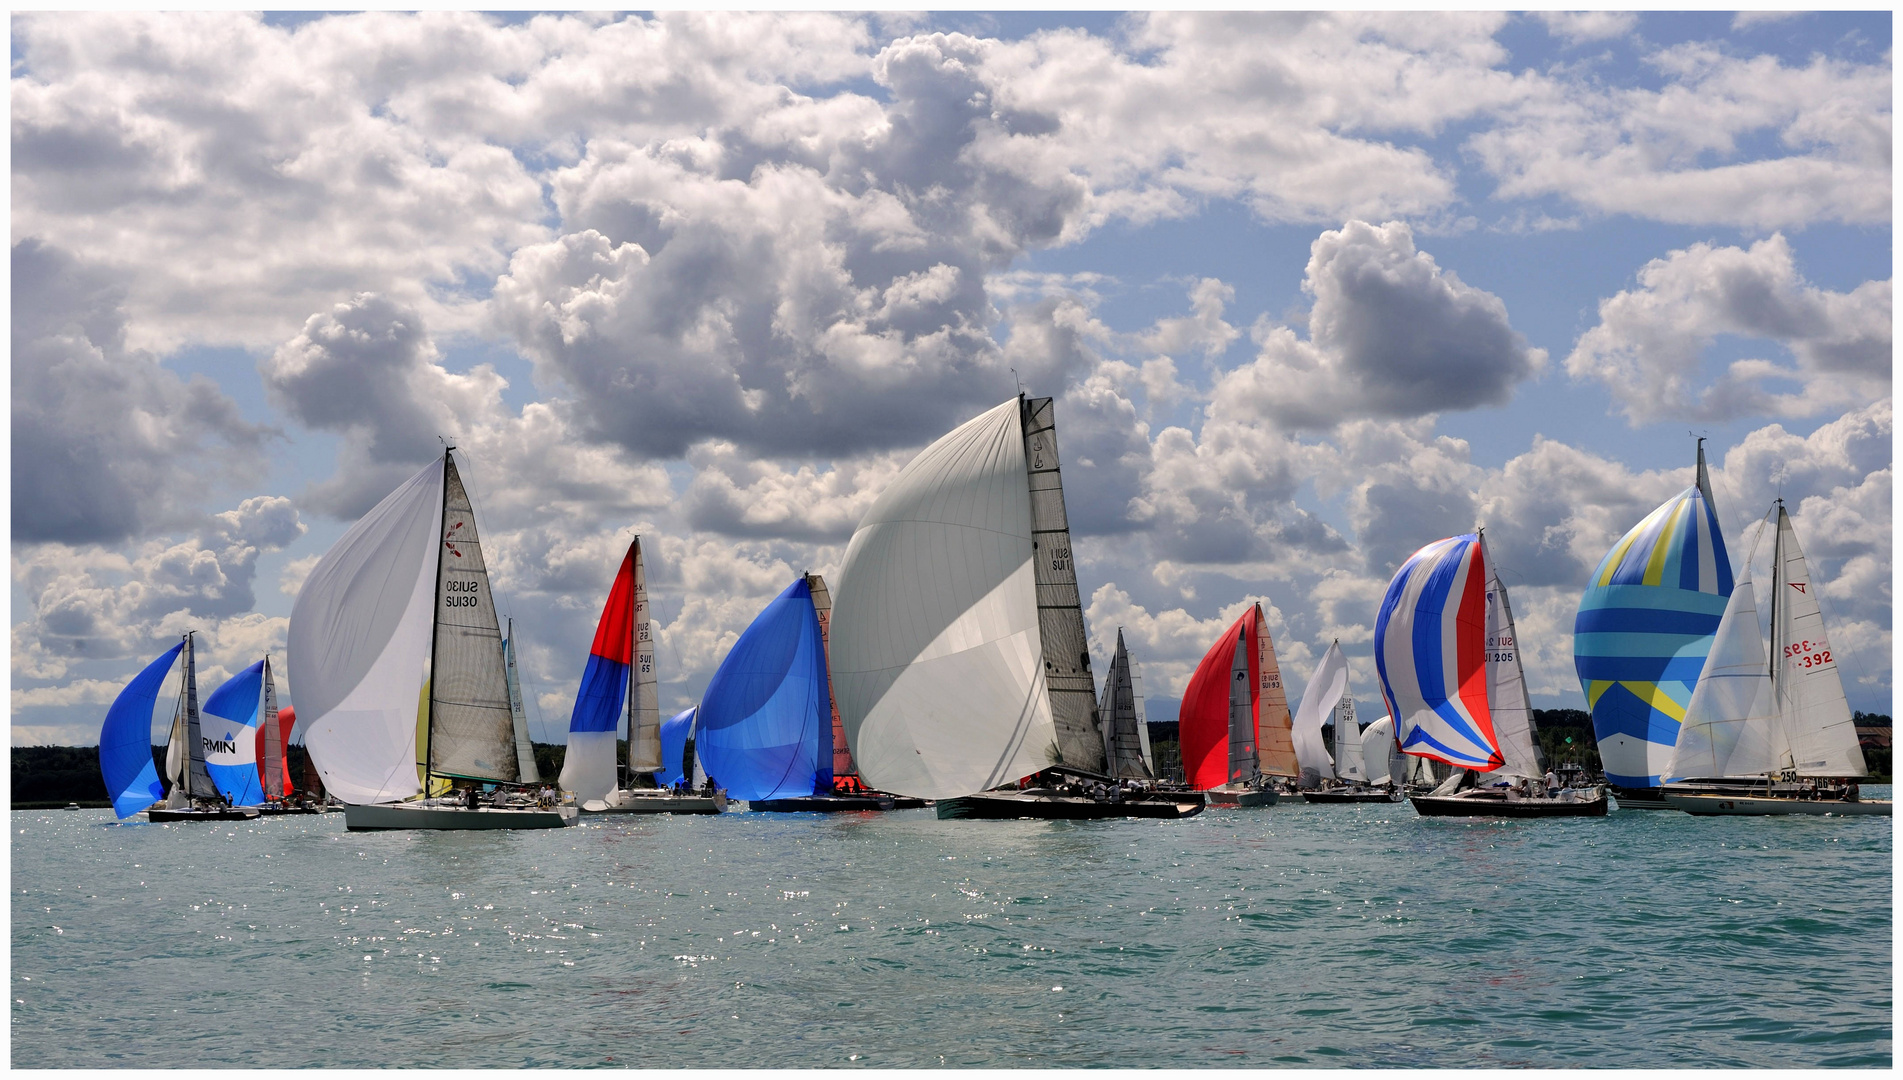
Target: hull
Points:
(909, 802)
(1489, 804)
(1639, 798)
(379, 817)
(162, 815)
(1346, 795)
(279, 809)
(1000, 805)
(657, 802)
(823, 804)
(1238, 797)
(1762, 805)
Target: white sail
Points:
(1730, 727)
(644, 692)
(1348, 761)
(359, 644)
(1506, 685)
(1381, 756)
(1067, 674)
(471, 729)
(1243, 762)
(519, 718)
(937, 658)
(1325, 687)
(1274, 736)
(1808, 691)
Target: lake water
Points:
(1296, 935)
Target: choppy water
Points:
(1297, 935)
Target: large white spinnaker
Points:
(1325, 688)
(359, 644)
(1381, 755)
(936, 653)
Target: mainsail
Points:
(762, 718)
(1644, 626)
(274, 773)
(518, 717)
(1123, 734)
(125, 740)
(359, 644)
(1348, 759)
(1325, 688)
(233, 714)
(937, 656)
(1430, 652)
(589, 765)
(471, 728)
(1512, 712)
(1060, 615)
(185, 758)
(839, 768)
(1808, 691)
(644, 697)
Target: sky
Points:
(1311, 291)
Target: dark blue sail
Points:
(674, 734)
(125, 740)
(767, 706)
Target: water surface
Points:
(1295, 935)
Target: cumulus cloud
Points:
(1650, 344)
(107, 444)
(1579, 27)
(1391, 334)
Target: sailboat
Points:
(1382, 761)
(1645, 624)
(125, 750)
(1350, 783)
(245, 740)
(1464, 703)
(1126, 730)
(1767, 738)
(959, 658)
(1234, 725)
(680, 772)
(1325, 688)
(397, 659)
(620, 686)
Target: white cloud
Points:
(1649, 346)
(1579, 27)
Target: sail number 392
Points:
(1807, 654)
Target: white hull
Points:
(1738, 805)
(657, 802)
(412, 816)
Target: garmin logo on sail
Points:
(460, 594)
(235, 746)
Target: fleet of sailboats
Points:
(958, 672)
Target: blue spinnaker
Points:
(764, 710)
(125, 740)
(228, 722)
(674, 734)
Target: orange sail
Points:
(1204, 721)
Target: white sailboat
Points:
(398, 663)
(1342, 778)
(1764, 738)
(958, 652)
(193, 796)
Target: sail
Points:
(1512, 712)
(1381, 758)
(286, 721)
(838, 764)
(1808, 691)
(231, 719)
(1060, 613)
(1348, 759)
(1123, 731)
(937, 657)
(196, 780)
(1730, 726)
(471, 730)
(1325, 688)
(644, 692)
(125, 740)
(1274, 725)
(1430, 651)
(766, 711)
(588, 767)
(1208, 713)
(1645, 623)
(674, 735)
(1143, 719)
(518, 718)
(359, 644)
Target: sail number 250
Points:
(1810, 654)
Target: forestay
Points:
(766, 708)
(936, 654)
(1430, 652)
(359, 644)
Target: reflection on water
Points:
(1299, 935)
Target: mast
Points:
(1067, 675)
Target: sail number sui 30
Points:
(460, 594)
